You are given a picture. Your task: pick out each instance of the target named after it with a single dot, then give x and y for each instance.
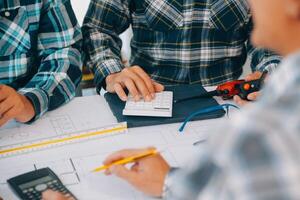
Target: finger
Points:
(141, 86)
(253, 76)
(3, 92)
(107, 172)
(146, 78)
(124, 154)
(10, 114)
(135, 167)
(253, 96)
(123, 173)
(120, 92)
(130, 85)
(3, 121)
(239, 101)
(5, 105)
(52, 195)
(158, 87)
(119, 155)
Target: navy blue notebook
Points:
(181, 110)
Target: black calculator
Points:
(30, 186)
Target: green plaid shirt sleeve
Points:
(174, 41)
(255, 155)
(42, 60)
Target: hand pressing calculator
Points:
(30, 186)
(160, 106)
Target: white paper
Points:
(81, 114)
(74, 163)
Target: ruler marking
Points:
(62, 140)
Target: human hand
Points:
(136, 80)
(52, 195)
(253, 96)
(14, 106)
(147, 174)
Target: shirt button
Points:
(7, 14)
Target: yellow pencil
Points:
(127, 160)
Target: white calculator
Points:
(160, 106)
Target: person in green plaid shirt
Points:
(174, 42)
(40, 58)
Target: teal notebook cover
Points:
(180, 110)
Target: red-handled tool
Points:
(228, 90)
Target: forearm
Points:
(55, 82)
(59, 60)
(104, 22)
(102, 54)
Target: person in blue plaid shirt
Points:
(174, 42)
(256, 154)
(40, 58)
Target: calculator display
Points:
(35, 182)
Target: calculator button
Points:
(7, 14)
(41, 187)
(161, 106)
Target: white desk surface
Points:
(74, 162)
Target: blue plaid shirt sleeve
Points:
(103, 23)
(257, 157)
(59, 44)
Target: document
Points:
(73, 163)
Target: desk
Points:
(74, 162)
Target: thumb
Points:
(253, 96)
(158, 87)
(123, 173)
(239, 101)
(51, 195)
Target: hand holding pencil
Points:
(128, 160)
(147, 173)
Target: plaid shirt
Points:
(175, 41)
(39, 54)
(257, 157)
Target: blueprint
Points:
(73, 163)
